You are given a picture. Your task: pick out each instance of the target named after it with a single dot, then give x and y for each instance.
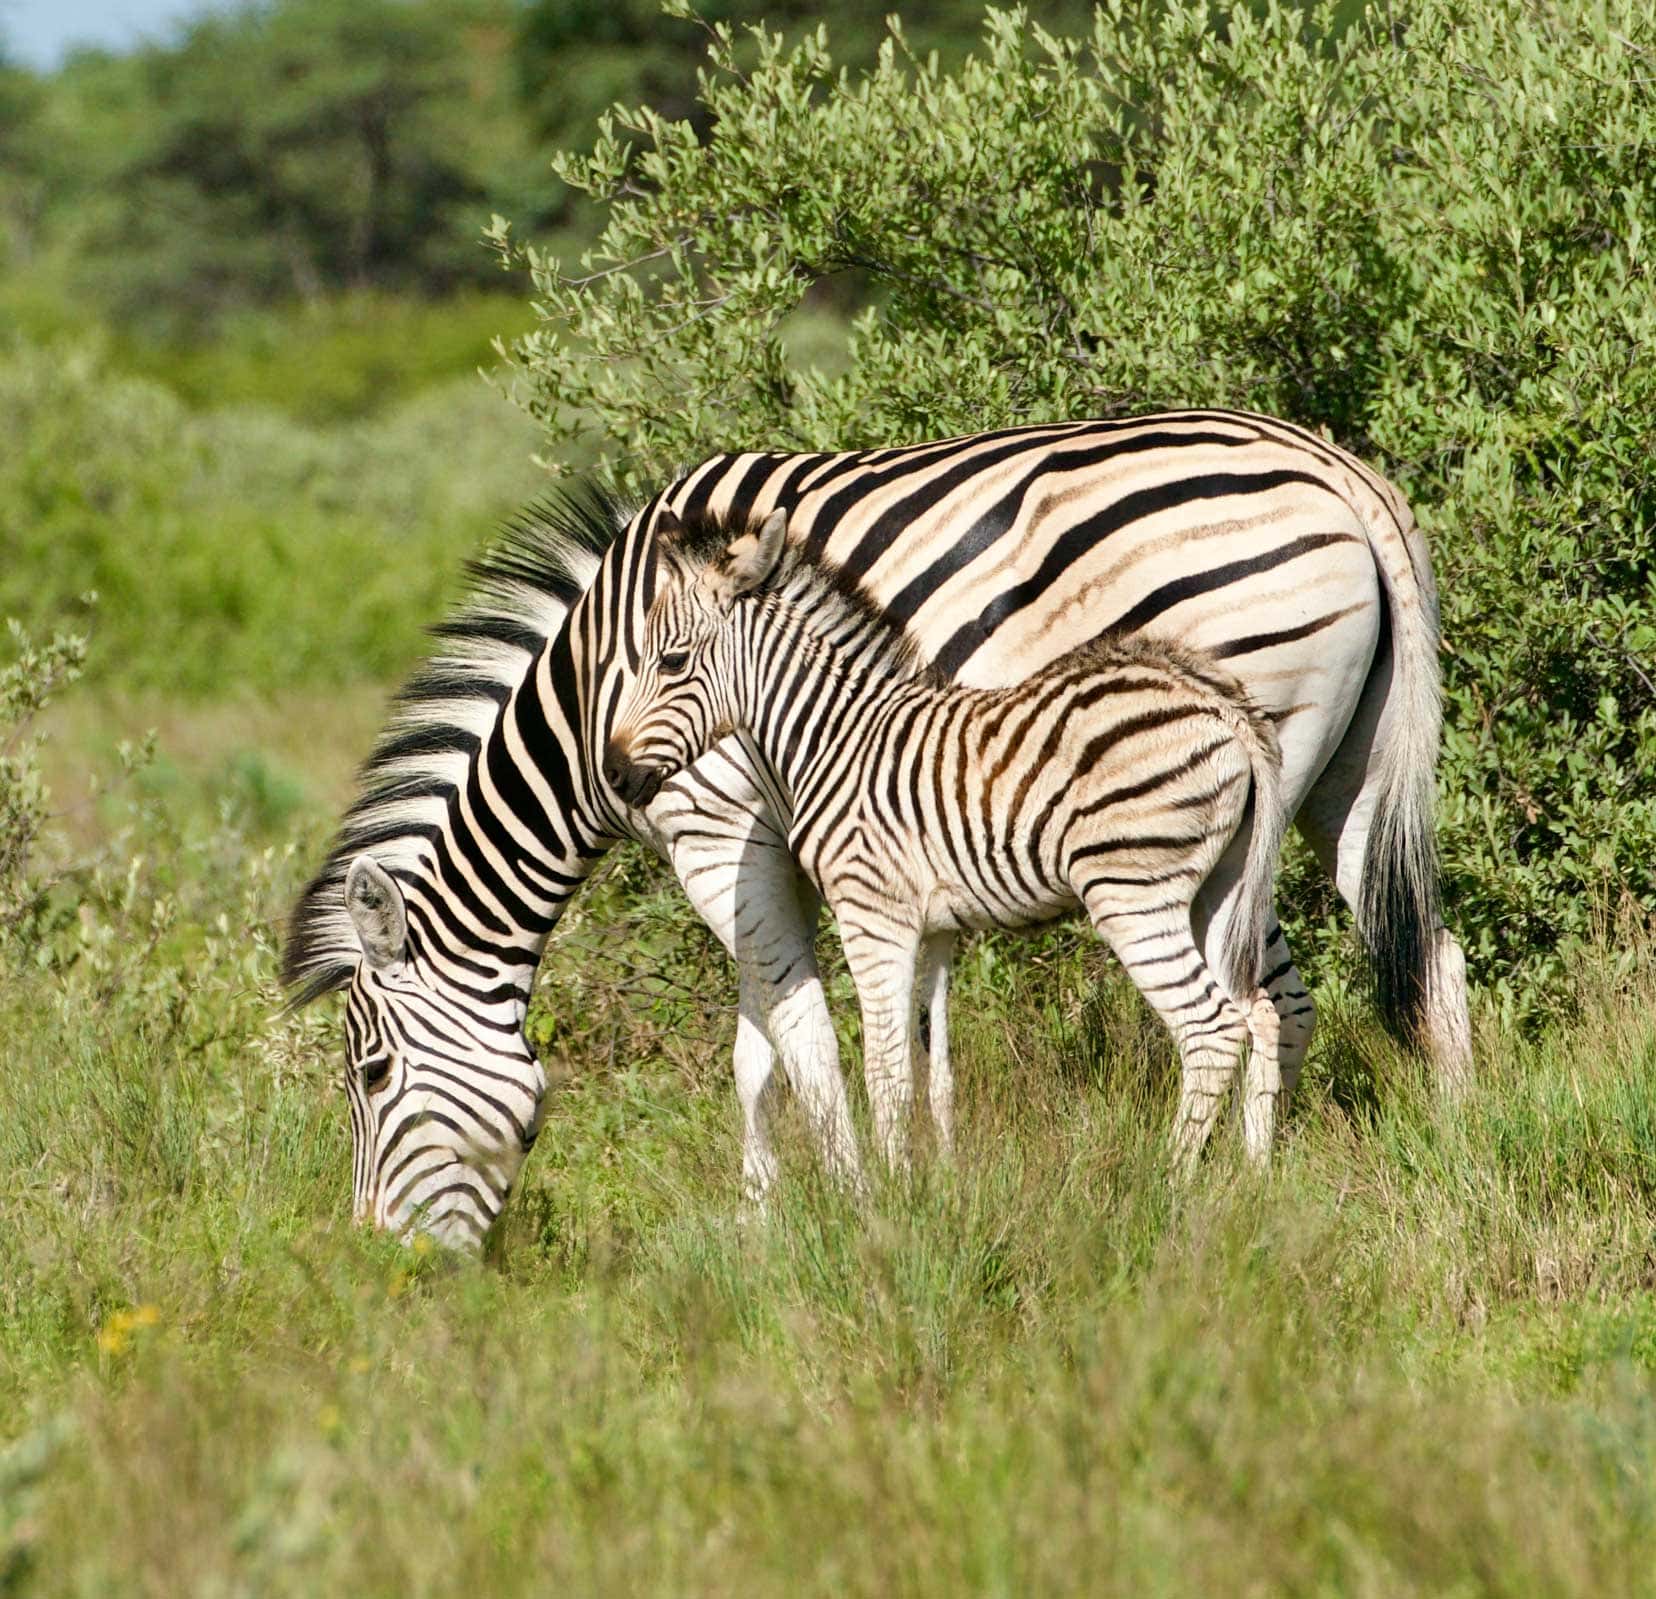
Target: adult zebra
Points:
(483, 808)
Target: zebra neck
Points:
(822, 688)
(519, 836)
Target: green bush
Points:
(237, 549)
(28, 684)
(330, 360)
(1426, 232)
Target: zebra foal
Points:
(1115, 778)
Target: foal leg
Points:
(881, 956)
(1281, 1019)
(936, 952)
(1296, 1013)
(1262, 1085)
(1158, 949)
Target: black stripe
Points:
(1218, 577)
(1287, 635)
(1132, 508)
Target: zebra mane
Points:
(521, 590)
(839, 612)
(828, 599)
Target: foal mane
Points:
(830, 602)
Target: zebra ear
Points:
(665, 552)
(750, 560)
(375, 904)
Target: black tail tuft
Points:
(1399, 916)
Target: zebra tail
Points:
(1244, 951)
(1399, 908)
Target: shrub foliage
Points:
(1423, 229)
(237, 549)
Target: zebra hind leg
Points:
(1159, 951)
(936, 953)
(1341, 818)
(1448, 1022)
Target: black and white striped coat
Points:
(484, 807)
(1112, 780)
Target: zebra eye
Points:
(675, 660)
(374, 1072)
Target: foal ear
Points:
(666, 542)
(749, 561)
(375, 904)
(669, 531)
(665, 551)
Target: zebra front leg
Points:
(881, 956)
(754, 1061)
(936, 954)
(744, 883)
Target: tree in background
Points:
(288, 150)
(23, 161)
(297, 149)
(578, 58)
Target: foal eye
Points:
(374, 1072)
(675, 660)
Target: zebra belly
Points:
(950, 905)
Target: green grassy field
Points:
(1415, 1358)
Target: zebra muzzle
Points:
(635, 783)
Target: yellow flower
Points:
(113, 1337)
(329, 1419)
(116, 1333)
(422, 1245)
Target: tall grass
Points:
(1417, 1357)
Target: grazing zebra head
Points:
(445, 1102)
(431, 910)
